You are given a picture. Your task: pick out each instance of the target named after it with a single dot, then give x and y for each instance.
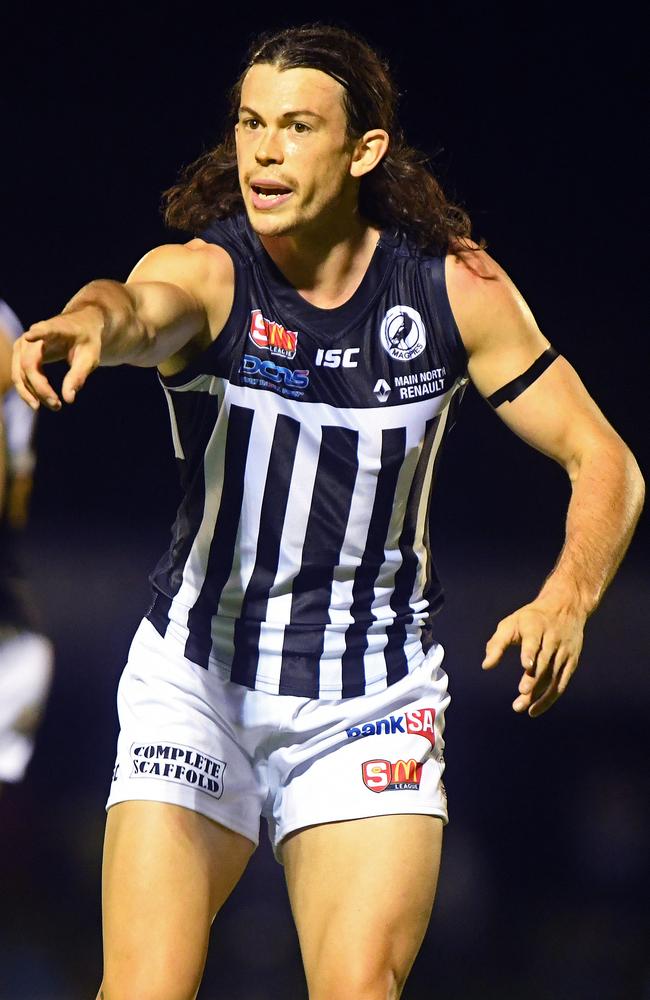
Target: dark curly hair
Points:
(400, 192)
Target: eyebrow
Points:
(300, 113)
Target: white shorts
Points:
(25, 674)
(192, 738)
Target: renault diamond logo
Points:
(382, 390)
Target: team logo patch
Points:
(389, 776)
(420, 721)
(180, 764)
(272, 336)
(402, 333)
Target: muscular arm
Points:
(175, 302)
(556, 415)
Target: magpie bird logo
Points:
(402, 333)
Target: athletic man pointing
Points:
(313, 345)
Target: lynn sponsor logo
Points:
(272, 336)
(402, 333)
(420, 721)
(392, 776)
(178, 763)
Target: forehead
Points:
(268, 89)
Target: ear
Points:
(368, 151)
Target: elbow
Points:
(636, 480)
(609, 456)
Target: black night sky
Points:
(532, 120)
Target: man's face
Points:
(293, 151)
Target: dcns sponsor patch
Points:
(178, 763)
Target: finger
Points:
(545, 656)
(531, 640)
(504, 636)
(533, 687)
(546, 690)
(567, 673)
(40, 387)
(42, 330)
(83, 363)
(22, 388)
(548, 698)
(559, 684)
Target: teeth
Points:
(270, 195)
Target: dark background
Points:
(534, 120)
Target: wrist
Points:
(565, 593)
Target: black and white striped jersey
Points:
(308, 441)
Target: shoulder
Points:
(186, 264)
(483, 298)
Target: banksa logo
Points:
(389, 776)
(181, 764)
(420, 721)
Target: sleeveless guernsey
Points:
(308, 441)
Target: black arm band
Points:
(515, 388)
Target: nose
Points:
(269, 147)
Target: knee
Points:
(146, 985)
(357, 980)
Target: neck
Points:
(325, 264)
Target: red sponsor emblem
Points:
(272, 336)
(386, 775)
(421, 722)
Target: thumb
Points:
(83, 362)
(504, 635)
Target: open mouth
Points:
(269, 194)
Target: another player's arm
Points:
(175, 302)
(555, 414)
(5, 383)
(5, 360)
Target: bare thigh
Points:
(361, 893)
(167, 871)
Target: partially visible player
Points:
(25, 653)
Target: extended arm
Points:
(556, 415)
(173, 305)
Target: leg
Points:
(167, 871)
(361, 893)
